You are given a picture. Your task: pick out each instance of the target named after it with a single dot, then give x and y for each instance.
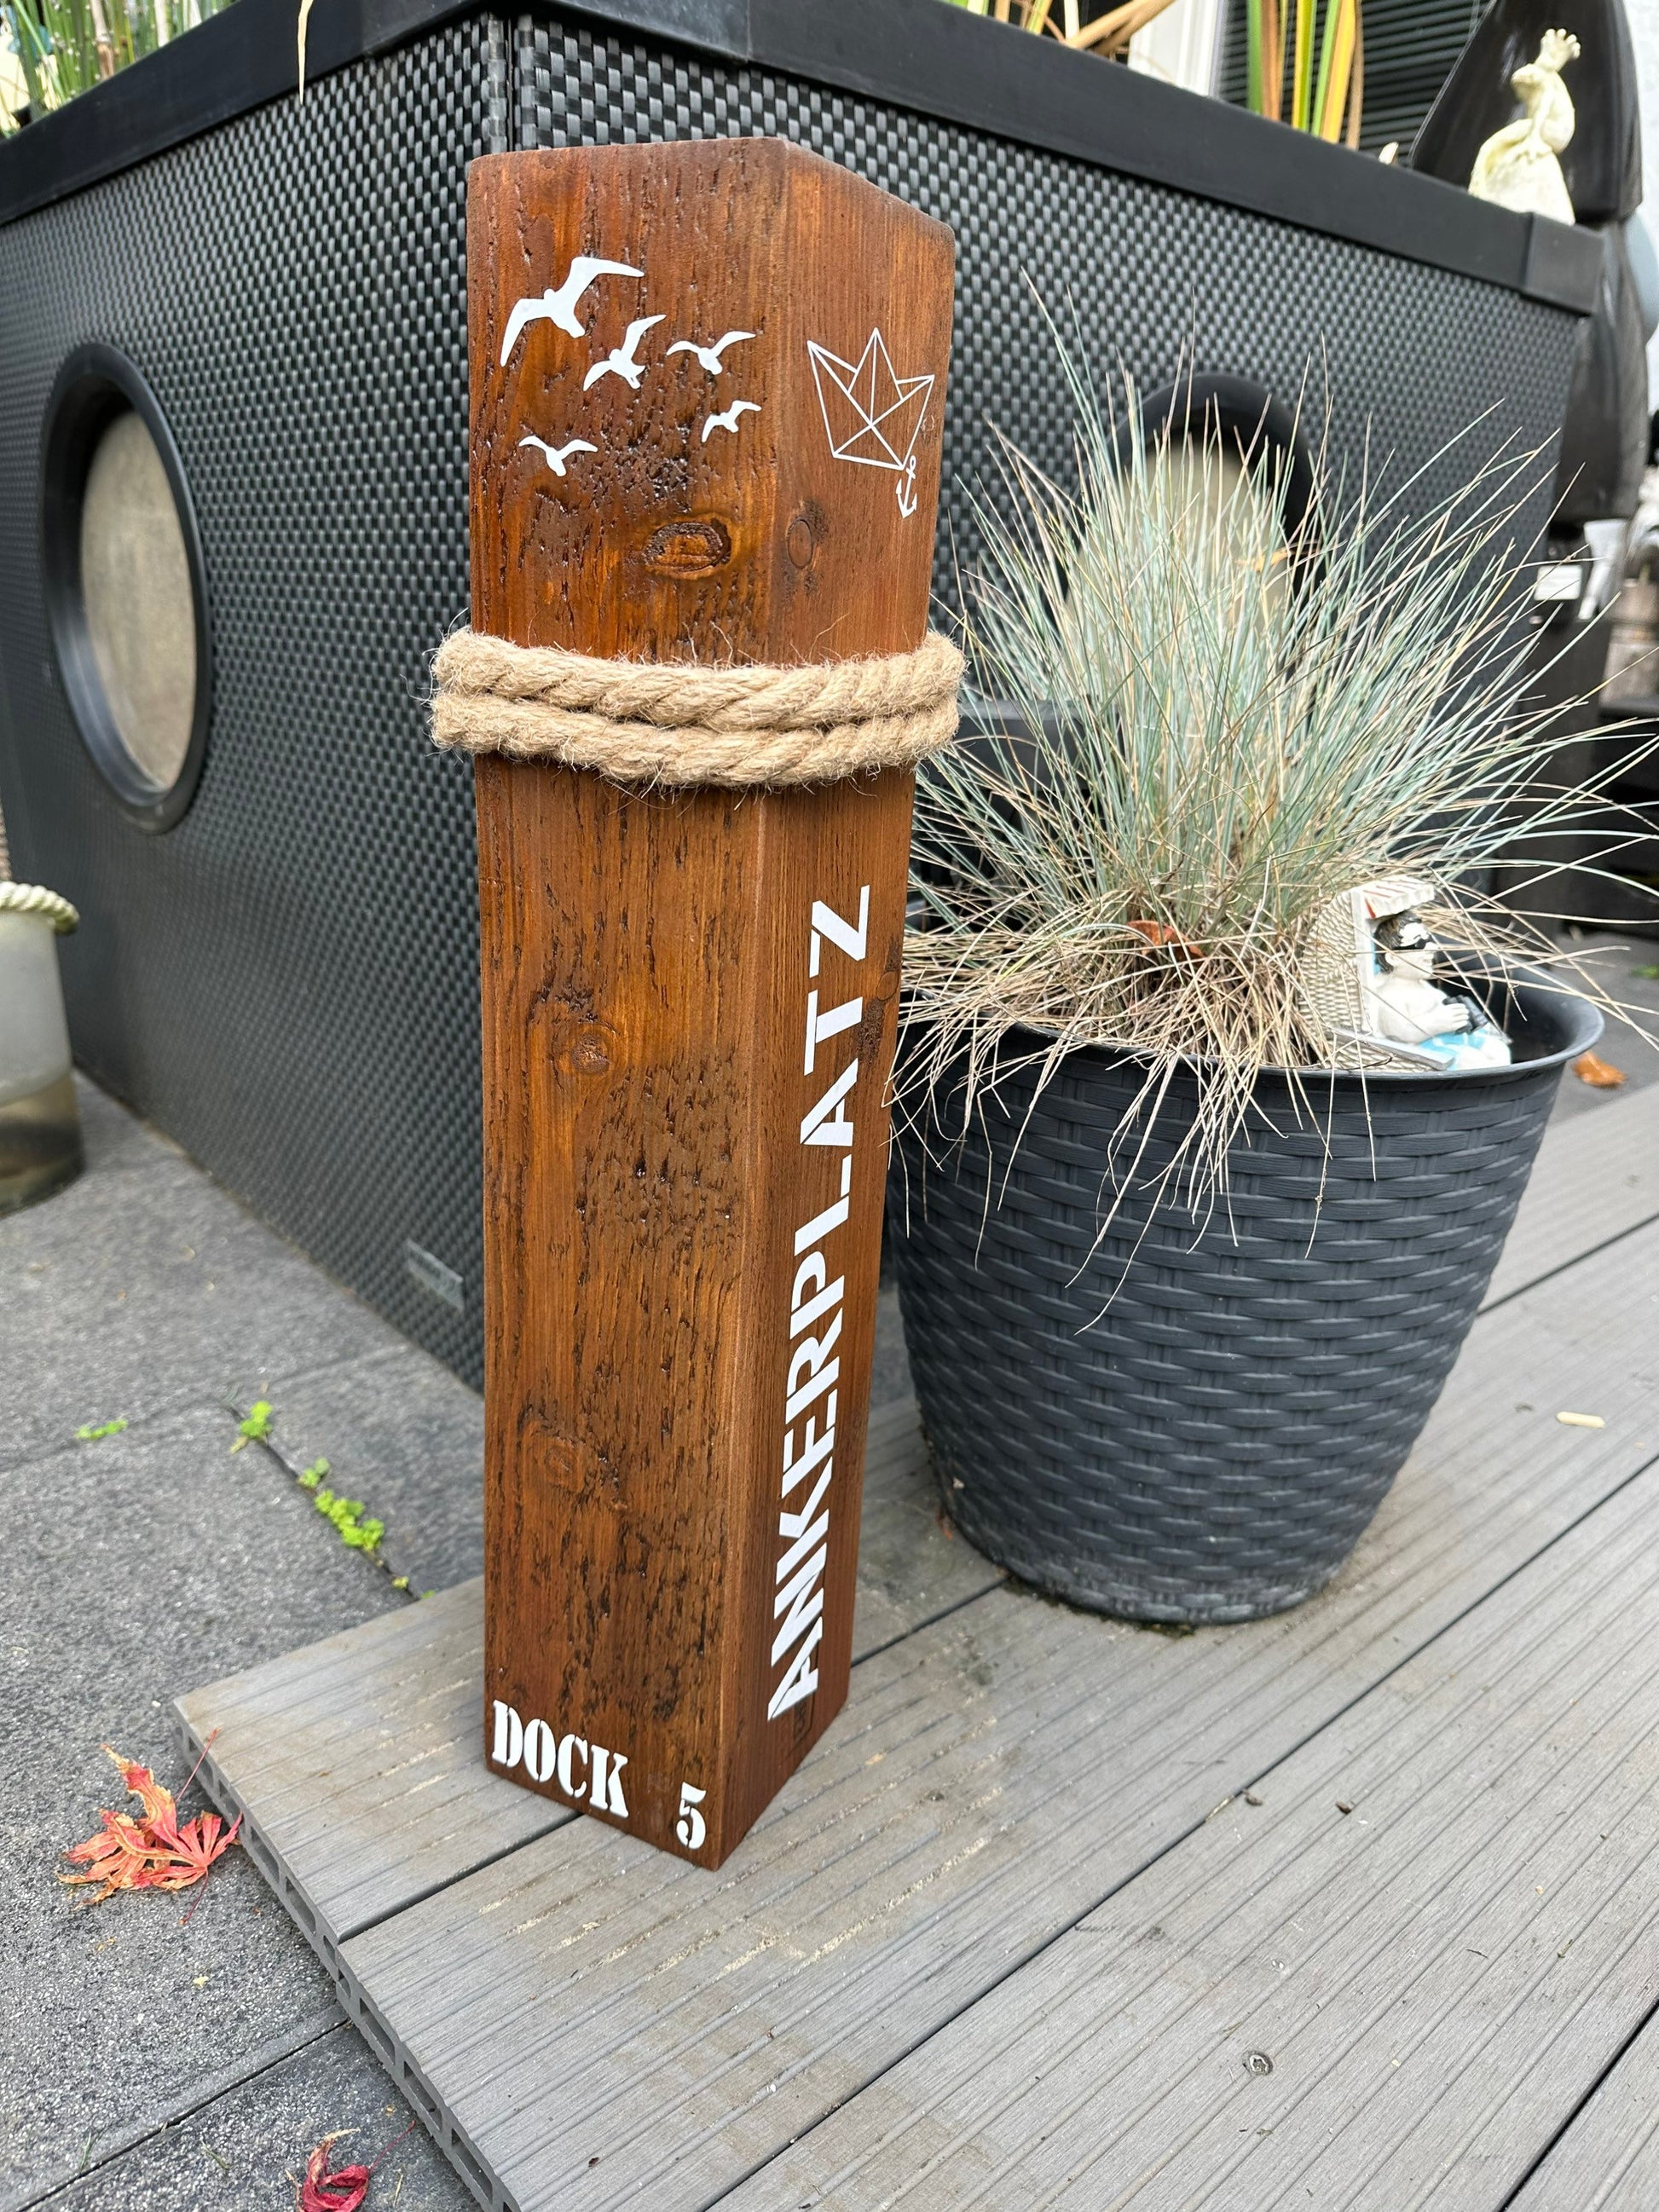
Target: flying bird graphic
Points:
(560, 307)
(556, 456)
(620, 360)
(729, 420)
(709, 355)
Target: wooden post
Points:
(707, 385)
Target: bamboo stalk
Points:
(1329, 121)
(29, 53)
(1073, 19)
(86, 42)
(1038, 16)
(1105, 26)
(1302, 65)
(105, 43)
(1253, 55)
(1273, 59)
(1325, 44)
(1356, 83)
(1118, 27)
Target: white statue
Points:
(1517, 166)
(1369, 976)
(1407, 1006)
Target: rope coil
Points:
(673, 723)
(35, 899)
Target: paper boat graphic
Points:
(872, 416)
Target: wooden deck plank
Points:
(410, 1809)
(994, 1778)
(1434, 1975)
(1597, 1178)
(370, 1792)
(1608, 2160)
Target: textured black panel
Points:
(1411, 46)
(1194, 1424)
(1409, 354)
(285, 981)
(911, 54)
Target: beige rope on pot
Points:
(35, 899)
(679, 724)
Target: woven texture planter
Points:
(1187, 1425)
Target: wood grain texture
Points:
(1597, 1178)
(994, 1778)
(664, 543)
(652, 1062)
(1384, 1985)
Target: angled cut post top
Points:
(707, 392)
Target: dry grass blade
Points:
(1111, 32)
(1219, 731)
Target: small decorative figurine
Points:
(1517, 166)
(1369, 975)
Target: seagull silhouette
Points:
(560, 307)
(729, 420)
(620, 360)
(709, 355)
(556, 456)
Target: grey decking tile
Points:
(1597, 1177)
(1607, 2158)
(363, 1753)
(359, 1758)
(994, 1776)
(1434, 1976)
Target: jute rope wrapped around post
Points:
(665, 722)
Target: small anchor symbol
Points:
(906, 488)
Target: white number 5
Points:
(691, 1827)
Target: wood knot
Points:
(692, 546)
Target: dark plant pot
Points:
(1186, 1423)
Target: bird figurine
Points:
(559, 307)
(728, 420)
(1517, 167)
(709, 355)
(620, 360)
(556, 456)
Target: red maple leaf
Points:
(341, 2192)
(323, 2191)
(153, 1851)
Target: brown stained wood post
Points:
(690, 999)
